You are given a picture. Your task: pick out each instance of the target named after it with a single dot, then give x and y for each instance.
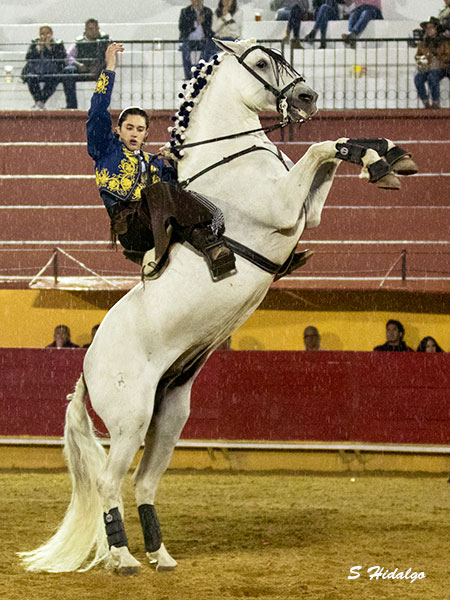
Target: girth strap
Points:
(254, 257)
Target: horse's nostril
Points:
(309, 98)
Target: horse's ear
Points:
(230, 47)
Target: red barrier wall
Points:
(324, 396)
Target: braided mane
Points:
(191, 95)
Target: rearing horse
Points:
(142, 363)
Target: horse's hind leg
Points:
(162, 436)
(126, 438)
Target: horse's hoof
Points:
(389, 182)
(162, 560)
(127, 570)
(405, 166)
(123, 562)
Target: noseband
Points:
(281, 64)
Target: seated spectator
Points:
(395, 333)
(46, 60)
(363, 11)
(61, 338)
(444, 18)
(227, 20)
(324, 10)
(432, 58)
(93, 332)
(86, 57)
(311, 338)
(195, 26)
(294, 12)
(429, 344)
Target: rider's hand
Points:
(111, 55)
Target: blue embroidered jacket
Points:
(119, 172)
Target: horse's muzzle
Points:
(301, 102)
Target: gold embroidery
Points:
(121, 183)
(102, 84)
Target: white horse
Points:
(143, 361)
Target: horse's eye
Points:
(261, 64)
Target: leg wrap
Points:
(150, 527)
(115, 529)
(350, 152)
(380, 145)
(395, 154)
(378, 170)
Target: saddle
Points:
(177, 215)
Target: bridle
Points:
(279, 61)
(280, 65)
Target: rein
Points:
(183, 184)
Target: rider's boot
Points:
(134, 255)
(220, 258)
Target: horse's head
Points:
(285, 90)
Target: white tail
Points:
(81, 535)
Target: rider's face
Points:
(133, 132)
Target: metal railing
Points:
(377, 74)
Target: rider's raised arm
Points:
(99, 124)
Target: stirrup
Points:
(150, 268)
(221, 260)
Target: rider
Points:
(123, 170)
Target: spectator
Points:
(61, 338)
(195, 25)
(311, 338)
(444, 18)
(432, 57)
(395, 333)
(93, 332)
(86, 57)
(294, 12)
(46, 60)
(227, 20)
(429, 344)
(363, 11)
(325, 10)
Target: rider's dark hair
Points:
(233, 8)
(133, 110)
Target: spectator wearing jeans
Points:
(325, 10)
(363, 11)
(428, 63)
(43, 71)
(195, 26)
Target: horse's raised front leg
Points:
(162, 436)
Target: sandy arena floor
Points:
(273, 537)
